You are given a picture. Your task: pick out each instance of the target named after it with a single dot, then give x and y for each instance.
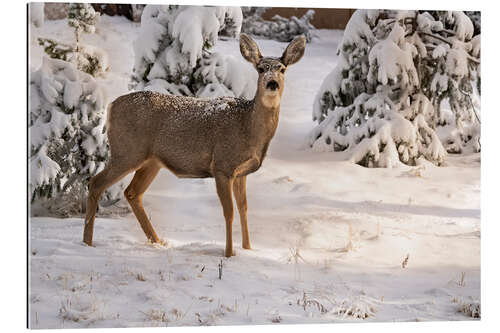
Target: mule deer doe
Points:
(225, 138)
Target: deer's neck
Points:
(266, 115)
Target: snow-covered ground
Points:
(329, 237)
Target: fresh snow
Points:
(329, 237)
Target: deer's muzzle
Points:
(272, 85)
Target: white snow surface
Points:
(329, 237)
(36, 14)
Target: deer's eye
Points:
(283, 70)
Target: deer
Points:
(225, 138)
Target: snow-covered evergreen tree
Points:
(83, 18)
(279, 28)
(402, 78)
(173, 53)
(68, 144)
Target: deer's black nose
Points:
(273, 85)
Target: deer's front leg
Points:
(225, 191)
(240, 194)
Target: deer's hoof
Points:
(247, 246)
(229, 253)
(157, 241)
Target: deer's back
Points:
(184, 133)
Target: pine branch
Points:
(435, 36)
(471, 103)
(449, 32)
(473, 59)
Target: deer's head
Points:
(271, 69)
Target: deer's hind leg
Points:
(134, 192)
(240, 194)
(112, 173)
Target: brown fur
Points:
(225, 138)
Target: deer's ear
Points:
(249, 49)
(294, 51)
